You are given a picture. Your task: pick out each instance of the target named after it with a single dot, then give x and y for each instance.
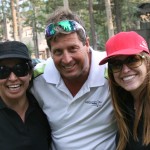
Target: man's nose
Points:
(66, 57)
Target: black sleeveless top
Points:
(130, 114)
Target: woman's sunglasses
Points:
(133, 61)
(66, 25)
(20, 70)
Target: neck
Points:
(74, 85)
(136, 101)
(19, 106)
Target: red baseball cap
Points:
(125, 43)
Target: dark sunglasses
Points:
(20, 70)
(66, 25)
(133, 61)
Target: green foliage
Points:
(30, 48)
(37, 11)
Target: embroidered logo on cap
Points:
(144, 45)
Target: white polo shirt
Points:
(83, 122)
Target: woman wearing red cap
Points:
(129, 78)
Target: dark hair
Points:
(31, 71)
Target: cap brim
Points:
(14, 56)
(121, 52)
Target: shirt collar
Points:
(96, 75)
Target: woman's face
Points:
(132, 74)
(13, 86)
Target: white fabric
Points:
(83, 122)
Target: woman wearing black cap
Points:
(128, 60)
(23, 125)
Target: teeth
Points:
(128, 78)
(69, 67)
(14, 86)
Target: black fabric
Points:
(130, 115)
(14, 49)
(33, 134)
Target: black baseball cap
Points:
(14, 49)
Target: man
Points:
(72, 90)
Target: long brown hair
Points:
(119, 96)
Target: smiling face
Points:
(130, 78)
(70, 56)
(13, 88)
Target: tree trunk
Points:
(5, 32)
(66, 3)
(117, 8)
(109, 18)
(14, 21)
(94, 41)
(19, 21)
(35, 35)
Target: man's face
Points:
(70, 56)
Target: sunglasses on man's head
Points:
(20, 70)
(66, 25)
(133, 61)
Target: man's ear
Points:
(87, 42)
